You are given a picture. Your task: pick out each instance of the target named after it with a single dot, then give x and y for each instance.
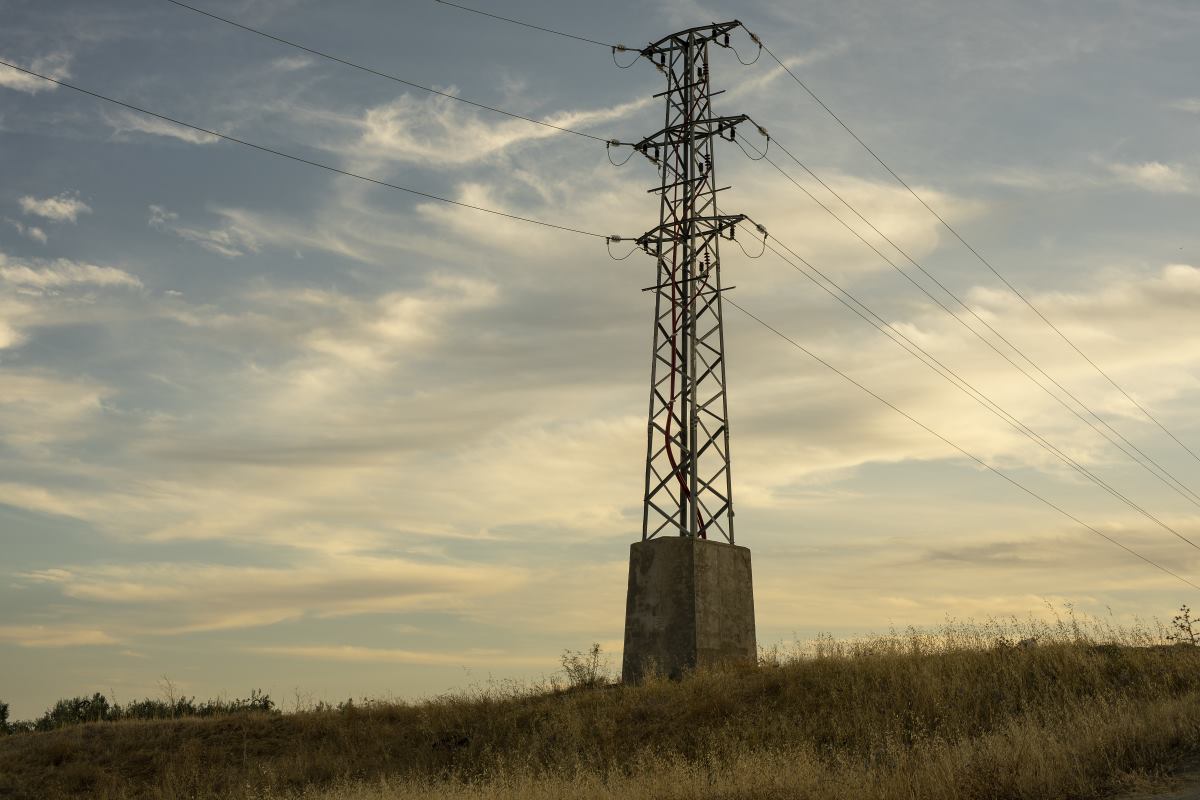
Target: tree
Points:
(1183, 624)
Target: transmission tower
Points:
(689, 486)
(690, 599)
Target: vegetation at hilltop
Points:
(1018, 709)
(98, 708)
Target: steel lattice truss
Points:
(688, 481)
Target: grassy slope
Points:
(883, 719)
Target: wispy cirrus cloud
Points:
(53, 65)
(380, 655)
(64, 207)
(1150, 176)
(61, 273)
(292, 63)
(439, 130)
(54, 636)
(178, 599)
(124, 123)
(29, 231)
(1154, 176)
(228, 241)
(37, 409)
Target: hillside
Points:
(923, 716)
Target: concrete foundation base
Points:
(690, 604)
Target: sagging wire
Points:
(608, 243)
(610, 144)
(757, 55)
(761, 230)
(760, 155)
(623, 49)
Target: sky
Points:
(263, 426)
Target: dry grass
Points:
(1081, 752)
(960, 713)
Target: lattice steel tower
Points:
(690, 600)
(689, 487)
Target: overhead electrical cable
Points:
(385, 184)
(918, 352)
(389, 77)
(931, 210)
(300, 159)
(531, 25)
(956, 447)
(979, 256)
(1159, 472)
(1025, 356)
(616, 48)
(846, 298)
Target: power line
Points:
(979, 256)
(942, 220)
(960, 383)
(272, 151)
(911, 191)
(1165, 477)
(531, 25)
(961, 450)
(929, 208)
(969, 310)
(299, 159)
(389, 77)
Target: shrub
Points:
(585, 669)
(75, 711)
(98, 708)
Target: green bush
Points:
(98, 708)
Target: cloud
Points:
(53, 636)
(1190, 104)
(291, 63)
(241, 232)
(65, 207)
(177, 599)
(397, 321)
(55, 65)
(229, 241)
(126, 122)
(36, 409)
(29, 231)
(1153, 176)
(47, 276)
(439, 130)
(378, 655)
(9, 335)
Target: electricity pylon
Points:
(689, 486)
(690, 599)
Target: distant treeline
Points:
(98, 708)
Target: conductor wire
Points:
(608, 243)
(968, 454)
(377, 73)
(608, 150)
(526, 24)
(299, 159)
